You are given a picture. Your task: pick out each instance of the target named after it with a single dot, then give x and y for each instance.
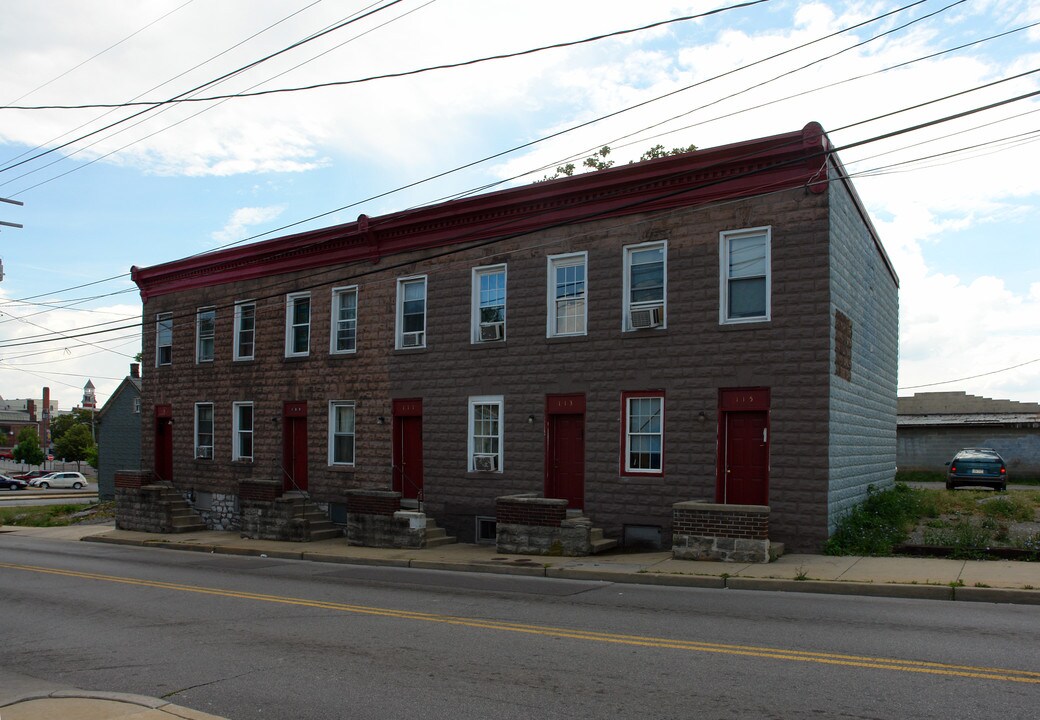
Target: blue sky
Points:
(958, 210)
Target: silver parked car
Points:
(73, 480)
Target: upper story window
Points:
(489, 304)
(205, 333)
(204, 431)
(646, 273)
(411, 312)
(744, 275)
(245, 330)
(164, 339)
(344, 320)
(568, 293)
(643, 423)
(485, 433)
(341, 432)
(242, 431)
(137, 406)
(297, 324)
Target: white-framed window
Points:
(642, 415)
(163, 339)
(341, 432)
(489, 304)
(245, 330)
(486, 415)
(137, 406)
(205, 334)
(343, 337)
(646, 286)
(567, 284)
(297, 324)
(411, 312)
(744, 275)
(204, 431)
(242, 431)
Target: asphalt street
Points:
(252, 637)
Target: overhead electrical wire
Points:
(403, 73)
(169, 80)
(528, 172)
(32, 340)
(293, 46)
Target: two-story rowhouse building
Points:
(719, 326)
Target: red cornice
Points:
(732, 171)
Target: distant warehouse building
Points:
(934, 426)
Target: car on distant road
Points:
(977, 466)
(6, 455)
(73, 480)
(31, 475)
(12, 483)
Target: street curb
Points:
(720, 582)
(997, 595)
(140, 700)
(837, 587)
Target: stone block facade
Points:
(729, 533)
(685, 360)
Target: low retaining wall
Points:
(531, 525)
(141, 504)
(375, 519)
(729, 533)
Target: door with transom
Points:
(408, 448)
(565, 449)
(743, 472)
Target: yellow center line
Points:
(880, 663)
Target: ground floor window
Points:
(643, 441)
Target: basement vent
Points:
(338, 513)
(647, 537)
(487, 530)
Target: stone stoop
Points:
(596, 540)
(600, 543)
(310, 521)
(436, 536)
(183, 517)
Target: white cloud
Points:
(242, 219)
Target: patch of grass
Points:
(41, 515)
(882, 521)
(907, 476)
(800, 573)
(1009, 507)
(967, 539)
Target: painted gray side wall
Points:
(862, 449)
(119, 440)
(930, 448)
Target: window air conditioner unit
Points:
(484, 463)
(491, 331)
(412, 339)
(646, 317)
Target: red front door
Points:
(294, 447)
(408, 449)
(744, 447)
(163, 442)
(565, 449)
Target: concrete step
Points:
(603, 544)
(438, 541)
(329, 533)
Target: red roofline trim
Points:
(744, 169)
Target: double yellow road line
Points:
(877, 663)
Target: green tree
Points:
(75, 444)
(598, 160)
(63, 423)
(28, 449)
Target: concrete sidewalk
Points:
(906, 577)
(25, 698)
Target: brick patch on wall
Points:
(730, 533)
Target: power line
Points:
(387, 76)
(232, 73)
(971, 377)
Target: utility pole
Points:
(8, 224)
